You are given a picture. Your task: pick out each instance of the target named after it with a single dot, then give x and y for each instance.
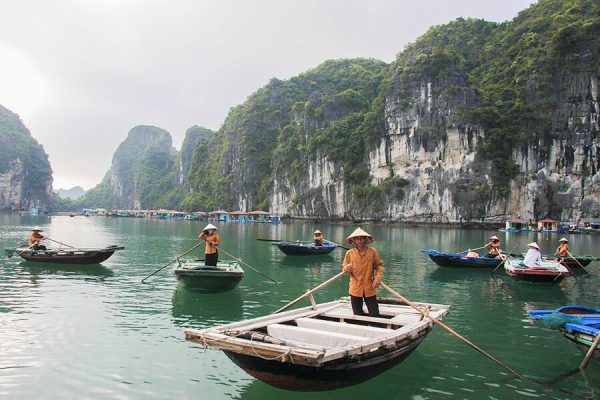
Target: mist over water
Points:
(97, 332)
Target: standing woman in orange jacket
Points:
(212, 239)
(365, 268)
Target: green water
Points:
(96, 332)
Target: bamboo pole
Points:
(309, 292)
(504, 260)
(590, 352)
(249, 266)
(450, 330)
(171, 262)
(56, 241)
(478, 248)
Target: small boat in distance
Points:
(461, 260)
(579, 324)
(549, 271)
(323, 346)
(65, 255)
(305, 248)
(220, 278)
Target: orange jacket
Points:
(365, 269)
(213, 239)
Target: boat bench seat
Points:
(313, 336)
(341, 327)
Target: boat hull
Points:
(549, 273)
(303, 378)
(461, 260)
(74, 256)
(220, 278)
(304, 249)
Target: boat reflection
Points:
(36, 270)
(198, 309)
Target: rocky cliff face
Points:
(25, 173)
(454, 143)
(140, 173)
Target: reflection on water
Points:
(66, 270)
(198, 309)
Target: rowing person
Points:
(318, 238)
(494, 246)
(563, 248)
(365, 268)
(35, 238)
(212, 240)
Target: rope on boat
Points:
(283, 357)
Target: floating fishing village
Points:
(317, 200)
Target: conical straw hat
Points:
(494, 238)
(534, 245)
(317, 231)
(359, 232)
(564, 240)
(37, 228)
(209, 226)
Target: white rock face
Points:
(11, 186)
(428, 145)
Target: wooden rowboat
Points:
(461, 260)
(580, 325)
(224, 276)
(323, 346)
(65, 256)
(548, 271)
(305, 248)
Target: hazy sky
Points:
(82, 73)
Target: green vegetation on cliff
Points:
(21, 151)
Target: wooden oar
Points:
(504, 260)
(590, 352)
(338, 245)
(569, 269)
(56, 241)
(171, 262)
(466, 251)
(309, 292)
(23, 251)
(270, 240)
(576, 260)
(252, 268)
(456, 334)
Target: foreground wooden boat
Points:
(224, 276)
(461, 260)
(65, 256)
(305, 248)
(578, 324)
(324, 346)
(548, 272)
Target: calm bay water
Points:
(97, 332)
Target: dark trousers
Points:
(371, 302)
(39, 247)
(211, 259)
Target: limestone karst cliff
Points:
(25, 173)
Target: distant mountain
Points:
(73, 194)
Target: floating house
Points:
(239, 216)
(548, 226)
(517, 225)
(260, 216)
(219, 215)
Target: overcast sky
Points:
(82, 73)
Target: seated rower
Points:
(35, 238)
(494, 246)
(318, 238)
(563, 248)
